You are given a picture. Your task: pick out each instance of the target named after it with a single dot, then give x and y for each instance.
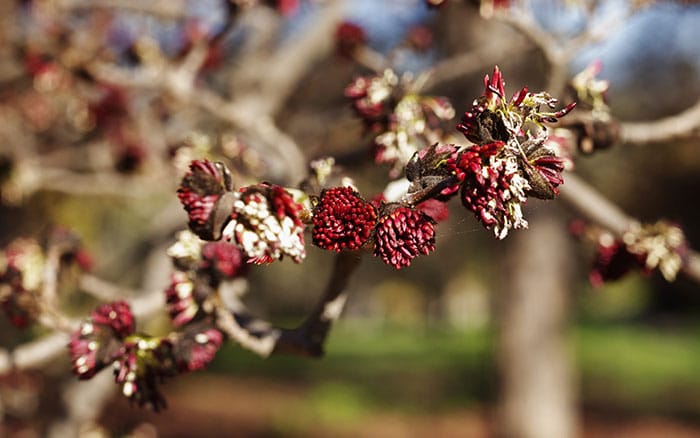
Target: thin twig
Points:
(34, 354)
(682, 125)
(169, 9)
(474, 61)
(142, 303)
(100, 183)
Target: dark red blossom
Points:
(142, 364)
(109, 106)
(180, 300)
(403, 235)
(550, 167)
(223, 259)
(283, 204)
(117, 316)
(372, 98)
(84, 355)
(342, 220)
(612, 261)
(494, 118)
(38, 63)
(348, 37)
(471, 161)
(196, 349)
(199, 192)
(658, 246)
(492, 187)
(98, 339)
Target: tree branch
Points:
(279, 74)
(265, 339)
(34, 354)
(143, 304)
(169, 9)
(684, 124)
(474, 61)
(285, 157)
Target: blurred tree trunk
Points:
(538, 391)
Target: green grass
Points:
(640, 368)
(624, 368)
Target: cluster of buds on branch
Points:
(141, 362)
(595, 127)
(645, 247)
(508, 161)
(401, 121)
(26, 265)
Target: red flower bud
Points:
(342, 220)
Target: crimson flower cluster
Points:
(493, 117)
(200, 268)
(344, 221)
(508, 161)
(265, 223)
(643, 247)
(373, 98)
(402, 235)
(491, 186)
(262, 220)
(200, 193)
(613, 261)
(140, 362)
(97, 342)
(107, 337)
(402, 121)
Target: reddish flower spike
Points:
(612, 261)
(342, 220)
(179, 299)
(202, 350)
(550, 167)
(141, 365)
(199, 192)
(98, 339)
(403, 235)
(117, 316)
